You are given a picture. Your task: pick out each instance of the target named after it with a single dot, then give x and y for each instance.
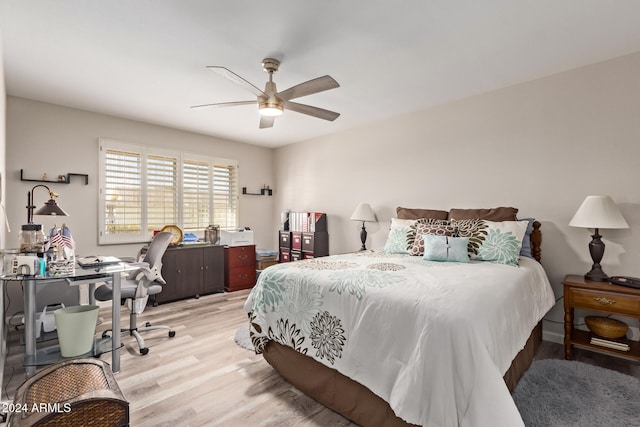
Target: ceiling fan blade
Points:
(225, 104)
(320, 113)
(228, 74)
(266, 122)
(308, 88)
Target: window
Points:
(144, 188)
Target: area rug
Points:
(242, 337)
(569, 393)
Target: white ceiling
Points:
(145, 59)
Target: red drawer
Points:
(296, 241)
(285, 255)
(242, 276)
(239, 256)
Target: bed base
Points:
(355, 401)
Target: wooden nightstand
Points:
(603, 297)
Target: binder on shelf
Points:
(308, 221)
(318, 222)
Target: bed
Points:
(389, 338)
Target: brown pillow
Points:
(493, 214)
(409, 213)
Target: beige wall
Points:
(542, 146)
(53, 139)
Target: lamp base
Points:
(596, 249)
(363, 237)
(596, 275)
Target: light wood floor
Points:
(202, 378)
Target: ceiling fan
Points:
(272, 103)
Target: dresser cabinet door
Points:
(170, 275)
(191, 272)
(213, 275)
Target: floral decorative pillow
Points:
(498, 242)
(396, 241)
(474, 229)
(444, 248)
(428, 227)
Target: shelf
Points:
(263, 192)
(580, 338)
(66, 180)
(50, 355)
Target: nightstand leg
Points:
(568, 326)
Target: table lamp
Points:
(598, 212)
(363, 213)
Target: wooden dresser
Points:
(240, 267)
(191, 272)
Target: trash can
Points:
(76, 326)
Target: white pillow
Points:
(498, 242)
(502, 242)
(401, 223)
(396, 241)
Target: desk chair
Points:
(138, 285)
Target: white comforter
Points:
(433, 339)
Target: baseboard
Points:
(553, 337)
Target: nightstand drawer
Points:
(604, 301)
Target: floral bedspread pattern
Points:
(431, 338)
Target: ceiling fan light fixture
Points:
(271, 103)
(271, 107)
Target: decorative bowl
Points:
(606, 327)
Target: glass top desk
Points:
(89, 275)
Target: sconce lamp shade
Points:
(50, 208)
(363, 213)
(598, 212)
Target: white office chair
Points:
(145, 280)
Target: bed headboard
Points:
(536, 241)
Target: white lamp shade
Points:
(363, 213)
(598, 212)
